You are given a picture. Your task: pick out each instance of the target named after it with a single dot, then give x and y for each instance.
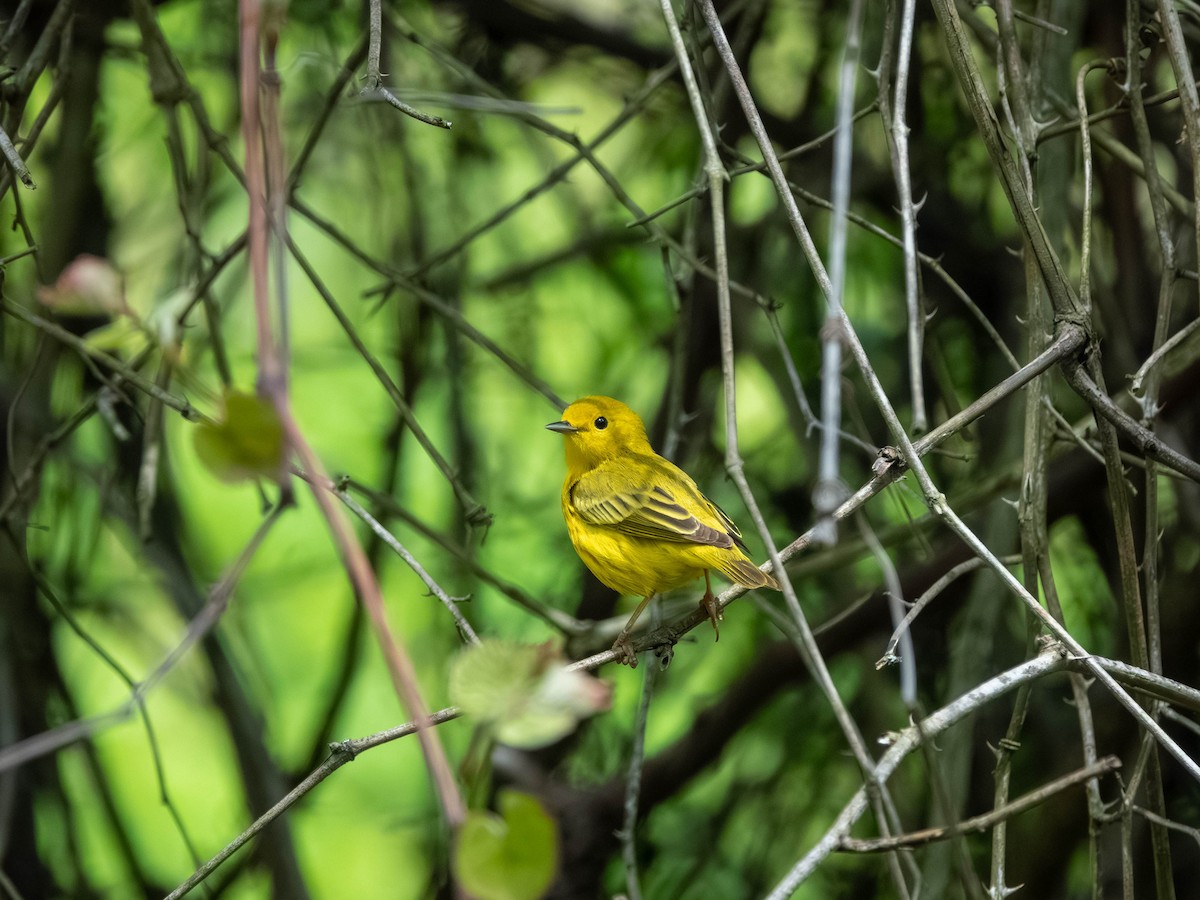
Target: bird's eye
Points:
(601, 423)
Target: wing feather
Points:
(734, 531)
(634, 505)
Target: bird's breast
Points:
(629, 564)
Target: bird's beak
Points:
(562, 427)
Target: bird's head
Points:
(600, 428)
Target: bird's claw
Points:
(623, 647)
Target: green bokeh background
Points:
(598, 318)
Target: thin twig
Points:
(903, 744)
(14, 160)
(433, 301)
(201, 624)
(987, 820)
(1062, 296)
(830, 490)
(555, 618)
(137, 697)
(270, 376)
(451, 603)
(1160, 353)
(1118, 498)
(884, 809)
(1189, 97)
(806, 147)
(895, 602)
(273, 384)
(340, 754)
(1147, 442)
(897, 131)
(931, 593)
(473, 511)
(375, 89)
(88, 352)
(1066, 306)
(633, 784)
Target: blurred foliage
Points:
(432, 249)
(523, 692)
(511, 856)
(247, 443)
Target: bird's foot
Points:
(623, 647)
(710, 605)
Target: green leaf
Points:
(510, 856)
(524, 692)
(248, 443)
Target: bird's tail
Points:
(742, 571)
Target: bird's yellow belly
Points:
(632, 565)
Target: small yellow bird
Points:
(637, 520)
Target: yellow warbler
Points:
(637, 520)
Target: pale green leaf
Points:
(524, 692)
(510, 856)
(247, 443)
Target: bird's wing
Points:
(734, 531)
(634, 504)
